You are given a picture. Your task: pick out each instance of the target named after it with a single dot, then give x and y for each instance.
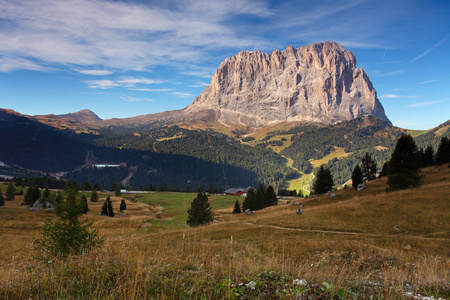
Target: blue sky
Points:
(128, 58)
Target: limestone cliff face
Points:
(317, 83)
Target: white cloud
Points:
(119, 35)
(132, 99)
(428, 81)
(425, 103)
(126, 82)
(428, 50)
(95, 72)
(182, 95)
(395, 72)
(152, 90)
(396, 96)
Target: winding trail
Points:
(346, 232)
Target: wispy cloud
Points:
(151, 90)
(132, 99)
(126, 82)
(395, 72)
(396, 96)
(425, 103)
(182, 95)
(95, 72)
(428, 50)
(120, 35)
(428, 81)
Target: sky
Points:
(123, 58)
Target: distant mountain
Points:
(316, 83)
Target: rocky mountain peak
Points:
(317, 83)
(84, 116)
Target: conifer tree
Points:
(84, 201)
(200, 212)
(270, 198)
(86, 186)
(2, 199)
(187, 189)
(117, 191)
(249, 201)
(96, 187)
(123, 205)
(67, 234)
(110, 207)
(236, 208)
(323, 181)
(404, 165)
(259, 197)
(10, 193)
(428, 156)
(368, 167)
(104, 211)
(357, 177)
(94, 196)
(443, 152)
(28, 198)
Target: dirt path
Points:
(346, 232)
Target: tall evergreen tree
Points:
(427, 156)
(28, 198)
(443, 152)
(323, 181)
(94, 196)
(368, 167)
(404, 165)
(67, 234)
(357, 177)
(236, 208)
(10, 193)
(35, 194)
(200, 212)
(259, 197)
(96, 187)
(85, 204)
(2, 199)
(104, 211)
(86, 186)
(114, 186)
(123, 205)
(270, 198)
(110, 207)
(187, 189)
(117, 191)
(249, 201)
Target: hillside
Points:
(357, 245)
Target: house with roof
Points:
(236, 191)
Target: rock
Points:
(300, 211)
(315, 83)
(360, 187)
(395, 227)
(295, 203)
(333, 195)
(249, 211)
(9, 218)
(41, 204)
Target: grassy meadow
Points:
(358, 245)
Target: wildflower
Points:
(300, 282)
(251, 285)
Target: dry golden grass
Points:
(369, 242)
